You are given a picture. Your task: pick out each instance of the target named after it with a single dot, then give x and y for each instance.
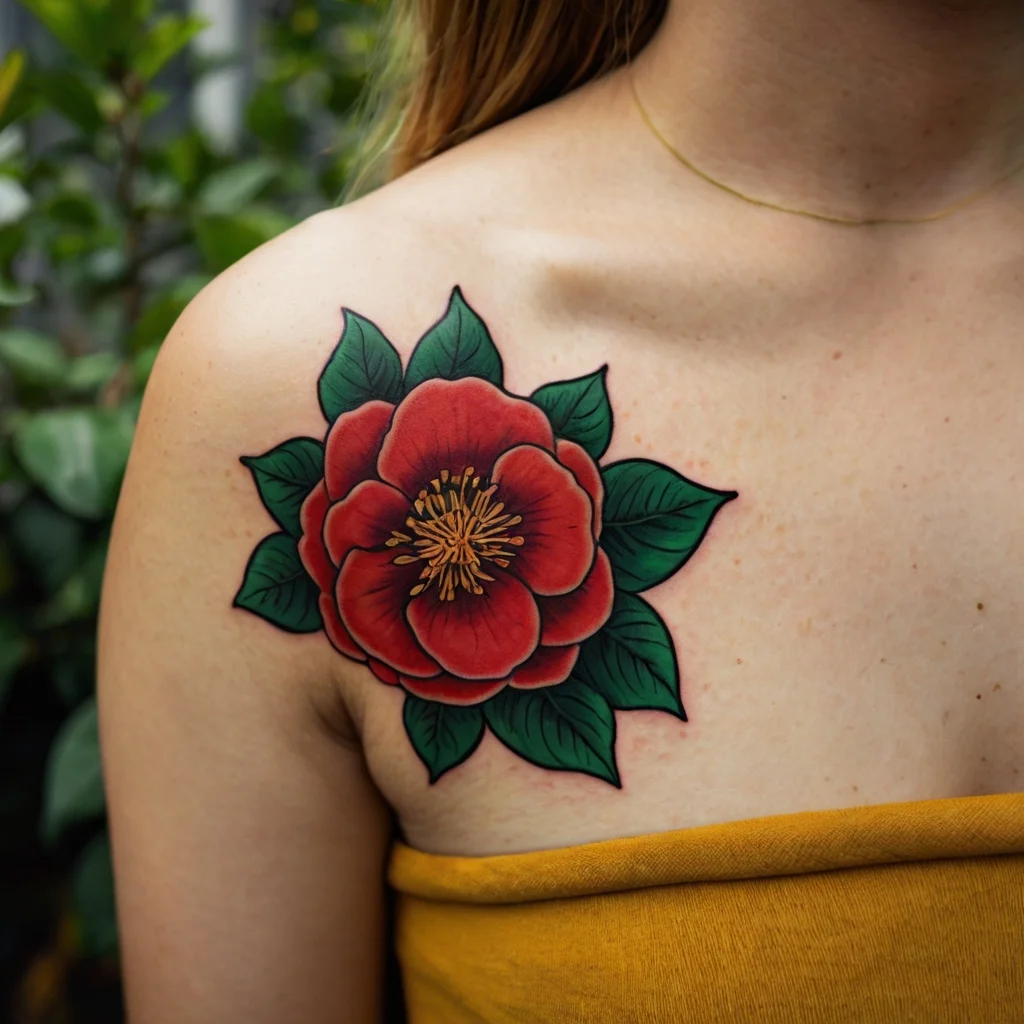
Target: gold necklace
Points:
(847, 221)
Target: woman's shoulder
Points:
(499, 211)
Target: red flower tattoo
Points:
(443, 532)
(467, 546)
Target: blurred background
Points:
(145, 145)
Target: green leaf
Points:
(73, 791)
(48, 540)
(458, 345)
(73, 23)
(162, 41)
(230, 190)
(70, 95)
(284, 477)
(567, 728)
(224, 240)
(12, 294)
(654, 520)
(94, 899)
(77, 456)
(87, 374)
(160, 315)
(443, 736)
(11, 70)
(277, 588)
(631, 661)
(364, 366)
(78, 598)
(142, 365)
(32, 358)
(579, 410)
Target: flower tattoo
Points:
(466, 545)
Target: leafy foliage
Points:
(115, 210)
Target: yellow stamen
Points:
(454, 529)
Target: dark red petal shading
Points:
(452, 424)
(573, 617)
(312, 551)
(385, 673)
(372, 594)
(364, 519)
(478, 636)
(558, 547)
(547, 666)
(350, 454)
(336, 632)
(446, 689)
(588, 476)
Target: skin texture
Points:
(850, 633)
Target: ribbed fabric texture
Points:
(901, 912)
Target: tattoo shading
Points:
(467, 545)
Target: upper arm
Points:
(249, 842)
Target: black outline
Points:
(727, 495)
(675, 662)
(540, 691)
(461, 707)
(247, 460)
(245, 574)
(603, 371)
(456, 291)
(345, 311)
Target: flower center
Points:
(455, 528)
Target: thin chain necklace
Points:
(847, 221)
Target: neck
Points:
(851, 108)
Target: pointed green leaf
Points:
(568, 728)
(443, 736)
(162, 41)
(13, 294)
(277, 588)
(458, 345)
(230, 190)
(654, 520)
(32, 358)
(363, 367)
(71, 96)
(579, 410)
(93, 899)
(284, 477)
(77, 456)
(631, 661)
(74, 774)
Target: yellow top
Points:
(895, 913)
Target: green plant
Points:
(114, 212)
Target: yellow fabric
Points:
(901, 912)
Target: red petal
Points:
(558, 547)
(385, 673)
(446, 689)
(547, 666)
(452, 424)
(573, 617)
(478, 636)
(588, 476)
(336, 632)
(364, 519)
(372, 594)
(312, 551)
(350, 454)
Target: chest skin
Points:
(851, 631)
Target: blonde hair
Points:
(450, 69)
